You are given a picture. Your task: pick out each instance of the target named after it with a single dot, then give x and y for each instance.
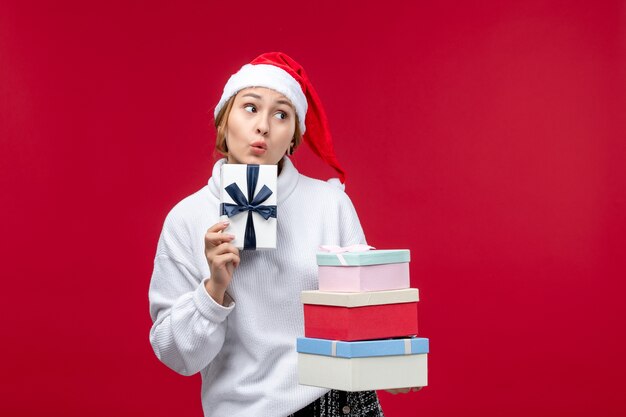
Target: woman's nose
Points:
(263, 126)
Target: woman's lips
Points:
(258, 150)
(258, 147)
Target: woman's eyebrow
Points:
(258, 97)
(283, 102)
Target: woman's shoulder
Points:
(192, 207)
(331, 190)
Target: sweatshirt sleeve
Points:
(188, 325)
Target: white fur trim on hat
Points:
(268, 76)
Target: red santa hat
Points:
(281, 73)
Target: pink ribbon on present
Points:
(338, 250)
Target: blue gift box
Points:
(361, 349)
(363, 365)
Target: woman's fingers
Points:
(221, 249)
(214, 236)
(223, 254)
(223, 260)
(403, 390)
(219, 226)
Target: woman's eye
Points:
(249, 108)
(281, 115)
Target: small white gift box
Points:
(248, 197)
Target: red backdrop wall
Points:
(487, 137)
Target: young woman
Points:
(232, 315)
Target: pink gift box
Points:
(364, 278)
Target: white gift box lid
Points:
(369, 257)
(362, 349)
(360, 299)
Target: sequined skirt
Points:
(343, 404)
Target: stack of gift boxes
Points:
(360, 327)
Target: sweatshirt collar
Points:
(287, 180)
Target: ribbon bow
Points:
(338, 250)
(250, 204)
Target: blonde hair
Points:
(220, 126)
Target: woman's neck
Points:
(280, 165)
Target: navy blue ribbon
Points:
(250, 204)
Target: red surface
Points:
(488, 137)
(360, 323)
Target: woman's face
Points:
(260, 127)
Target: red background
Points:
(487, 137)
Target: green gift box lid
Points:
(370, 257)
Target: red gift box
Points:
(360, 316)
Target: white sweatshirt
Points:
(245, 352)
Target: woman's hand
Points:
(403, 390)
(222, 257)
